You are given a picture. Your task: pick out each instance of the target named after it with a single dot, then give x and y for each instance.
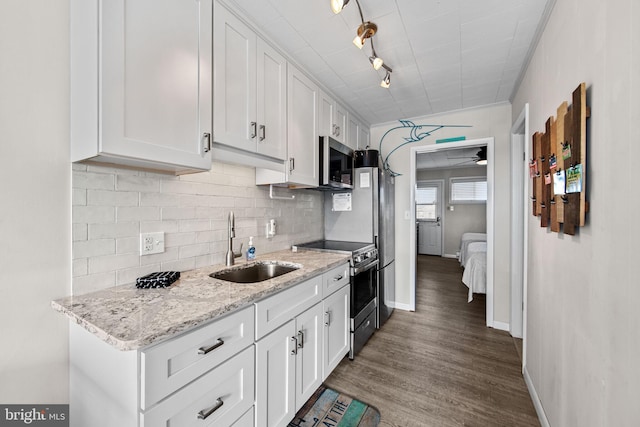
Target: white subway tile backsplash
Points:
(112, 206)
(93, 214)
(111, 198)
(139, 213)
(93, 248)
(103, 264)
(114, 230)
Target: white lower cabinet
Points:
(336, 329)
(288, 368)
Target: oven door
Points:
(364, 284)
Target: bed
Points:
(475, 270)
(466, 240)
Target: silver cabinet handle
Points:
(327, 318)
(300, 339)
(337, 130)
(205, 350)
(254, 129)
(295, 345)
(203, 415)
(338, 278)
(206, 142)
(292, 164)
(262, 132)
(334, 129)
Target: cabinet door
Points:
(309, 333)
(363, 138)
(341, 121)
(272, 102)
(325, 115)
(336, 330)
(156, 81)
(353, 129)
(275, 377)
(234, 91)
(302, 138)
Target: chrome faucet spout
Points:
(231, 255)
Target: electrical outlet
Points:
(151, 243)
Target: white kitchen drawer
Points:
(334, 279)
(247, 420)
(230, 387)
(166, 367)
(276, 310)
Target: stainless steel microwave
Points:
(336, 164)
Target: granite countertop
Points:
(129, 318)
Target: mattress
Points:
(466, 240)
(475, 273)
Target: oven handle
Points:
(358, 270)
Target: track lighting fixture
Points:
(366, 30)
(386, 82)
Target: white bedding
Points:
(475, 271)
(465, 241)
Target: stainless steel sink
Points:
(255, 272)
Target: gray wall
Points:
(490, 121)
(35, 184)
(583, 321)
(466, 217)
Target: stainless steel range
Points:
(364, 285)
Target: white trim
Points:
(454, 256)
(537, 403)
(489, 143)
(403, 306)
(519, 293)
(503, 326)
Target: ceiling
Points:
(449, 159)
(445, 54)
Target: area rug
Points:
(329, 408)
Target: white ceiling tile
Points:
(435, 47)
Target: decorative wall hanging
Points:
(558, 167)
(415, 135)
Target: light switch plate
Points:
(151, 243)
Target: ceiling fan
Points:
(480, 158)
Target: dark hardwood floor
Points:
(439, 366)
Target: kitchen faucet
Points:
(231, 255)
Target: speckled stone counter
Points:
(129, 318)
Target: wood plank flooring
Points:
(439, 366)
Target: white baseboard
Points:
(454, 256)
(500, 325)
(402, 306)
(542, 417)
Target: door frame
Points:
(440, 183)
(489, 143)
(520, 137)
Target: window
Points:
(468, 190)
(426, 202)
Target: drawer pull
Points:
(203, 350)
(203, 415)
(338, 278)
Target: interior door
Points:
(429, 200)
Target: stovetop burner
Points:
(337, 246)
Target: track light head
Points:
(386, 82)
(338, 5)
(365, 30)
(376, 62)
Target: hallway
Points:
(440, 366)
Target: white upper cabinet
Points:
(354, 129)
(141, 83)
(363, 138)
(333, 118)
(250, 80)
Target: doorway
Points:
(437, 148)
(429, 200)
